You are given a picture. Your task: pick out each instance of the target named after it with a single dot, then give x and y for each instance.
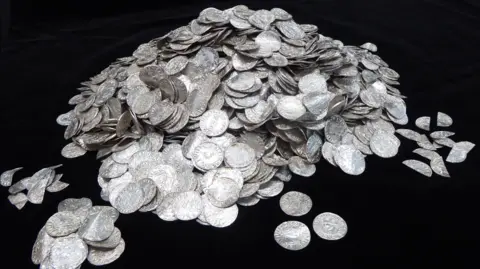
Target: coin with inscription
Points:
(292, 235)
(329, 226)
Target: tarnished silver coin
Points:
(329, 226)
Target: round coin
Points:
(295, 204)
(329, 226)
(292, 235)
(214, 122)
(207, 156)
(63, 224)
(68, 252)
(239, 155)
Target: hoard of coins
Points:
(221, 112)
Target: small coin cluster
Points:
(79, 231)
(294, 235)
(428, 146)
(44, 180)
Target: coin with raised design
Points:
(329, 226)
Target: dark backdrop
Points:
(396, 218)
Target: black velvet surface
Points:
(396, 217)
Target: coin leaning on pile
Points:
(221, 112)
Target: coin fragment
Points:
(7, 176)
(438, 167)
(444, 120)
(423, 123)
(419, 166)
(459, 151)
(19, 200)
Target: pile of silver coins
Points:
(222, 112)
(79, 231)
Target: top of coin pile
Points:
(222, 111)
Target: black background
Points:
(396, 217)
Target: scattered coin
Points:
(419, 166)
(7, 176)
(295, 203)
(423, 123)
(459, 151)
(329, 226)
(444, 120)
(292, 235)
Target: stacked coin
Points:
(222, 111)
(79, 231)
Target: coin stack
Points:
(79, 231)
(221, 112)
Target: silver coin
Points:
(214, 122)
(207, 156)
(19, 200)
(349, 159)
(384, 144)
(7, 176)
(295, 204)
(459, 151)
(102, 256)
(292, 235)
(444, 120)
(239, 155)
(419, 166)
(329, 226)
(423, 123)
(68, 252)
(62, 224)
